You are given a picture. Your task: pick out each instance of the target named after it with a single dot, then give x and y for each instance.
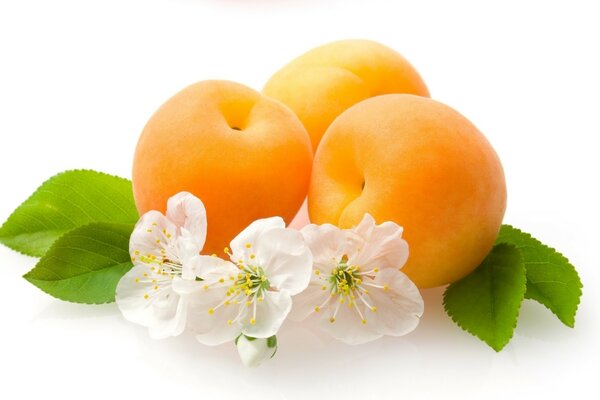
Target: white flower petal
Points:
(217, 276)
(147, 298)
(213, 268)
(328, 244)
(285, 259)
(254, 352)
(150, 236)
(398, 308)
(130, 297)
(185, 287)
(187, 212)
(270, 314)
(306, 302)
(170, 323)
(365, 226)
(347, 325)
(241, 245)
(382, 247)
(187, 252)
(220, 325)
(219, 334)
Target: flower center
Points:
(251, 281)
(248, 287)
(347, 287)
(344, 278)
(159, 274)
(164, 266)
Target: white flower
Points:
(252, 294)
(254, 352)
(356, 287)
(164, 251)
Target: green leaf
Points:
(551, 279)
(85, 264)
(66, 201)
(486, 303)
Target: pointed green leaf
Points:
(551, 279)
(66, 201)
(486, 303)
(85, 264)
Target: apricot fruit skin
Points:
(419, 163)
(323, 82)
(231, 147)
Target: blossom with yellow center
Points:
(164, 251)
(252, 293)
(356, 287)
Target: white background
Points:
(79, 79)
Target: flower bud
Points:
(253, 351)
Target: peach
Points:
(326, 80)
(417, 162)
(231, 147)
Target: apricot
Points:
(326, 80)
(231, 147)
(417, 162)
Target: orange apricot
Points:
(417, 162)
(231, 147)
(326, 80)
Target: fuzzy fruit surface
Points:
(417, 162)
(231, 147)
(323, 82)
